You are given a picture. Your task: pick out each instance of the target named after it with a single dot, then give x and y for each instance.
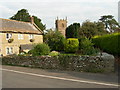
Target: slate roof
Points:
(27, 47)
(7, 25)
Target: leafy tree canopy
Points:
(38, 22)
(110, 23)
(23, 15)
(90, 29)
(72, 30)
(55, 40)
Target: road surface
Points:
(21, 77)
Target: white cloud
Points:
(59, 0)
(5, 11)
(75, 10)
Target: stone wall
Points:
(69, 63)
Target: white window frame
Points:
(20, 36)
(8, 36)
(9, 50)
(31, 36)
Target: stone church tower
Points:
(61, 25)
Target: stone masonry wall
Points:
(70, 63)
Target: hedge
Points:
(109, 43)
(71, 45)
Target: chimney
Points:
(32, 20)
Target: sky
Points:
(119, 12)
(77, 11)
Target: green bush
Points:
(40, 49)
(71, 45)
(108, 43)
(54, 53)
(55, 40)
(86, 47)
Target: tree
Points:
(55, 40)
(100, 28)
(23, 15)
(90, 29)
(38, 22)
(72, 30)
(110, 23)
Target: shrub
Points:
(40, 49)
(54, 53)
(108, 43)
(86, 47)
(55, 40)
(71, 45)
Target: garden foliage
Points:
(55, 40)
(86, 47)
(109, 43)
(71, 45)
(72, 31)
(40, 49)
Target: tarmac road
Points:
(21, 77)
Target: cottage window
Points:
(31, 36)
(20, 36)
(9, 50)
(8, 36)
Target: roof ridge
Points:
(14, 20)
(37, 28)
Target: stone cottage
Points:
(17, 36)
